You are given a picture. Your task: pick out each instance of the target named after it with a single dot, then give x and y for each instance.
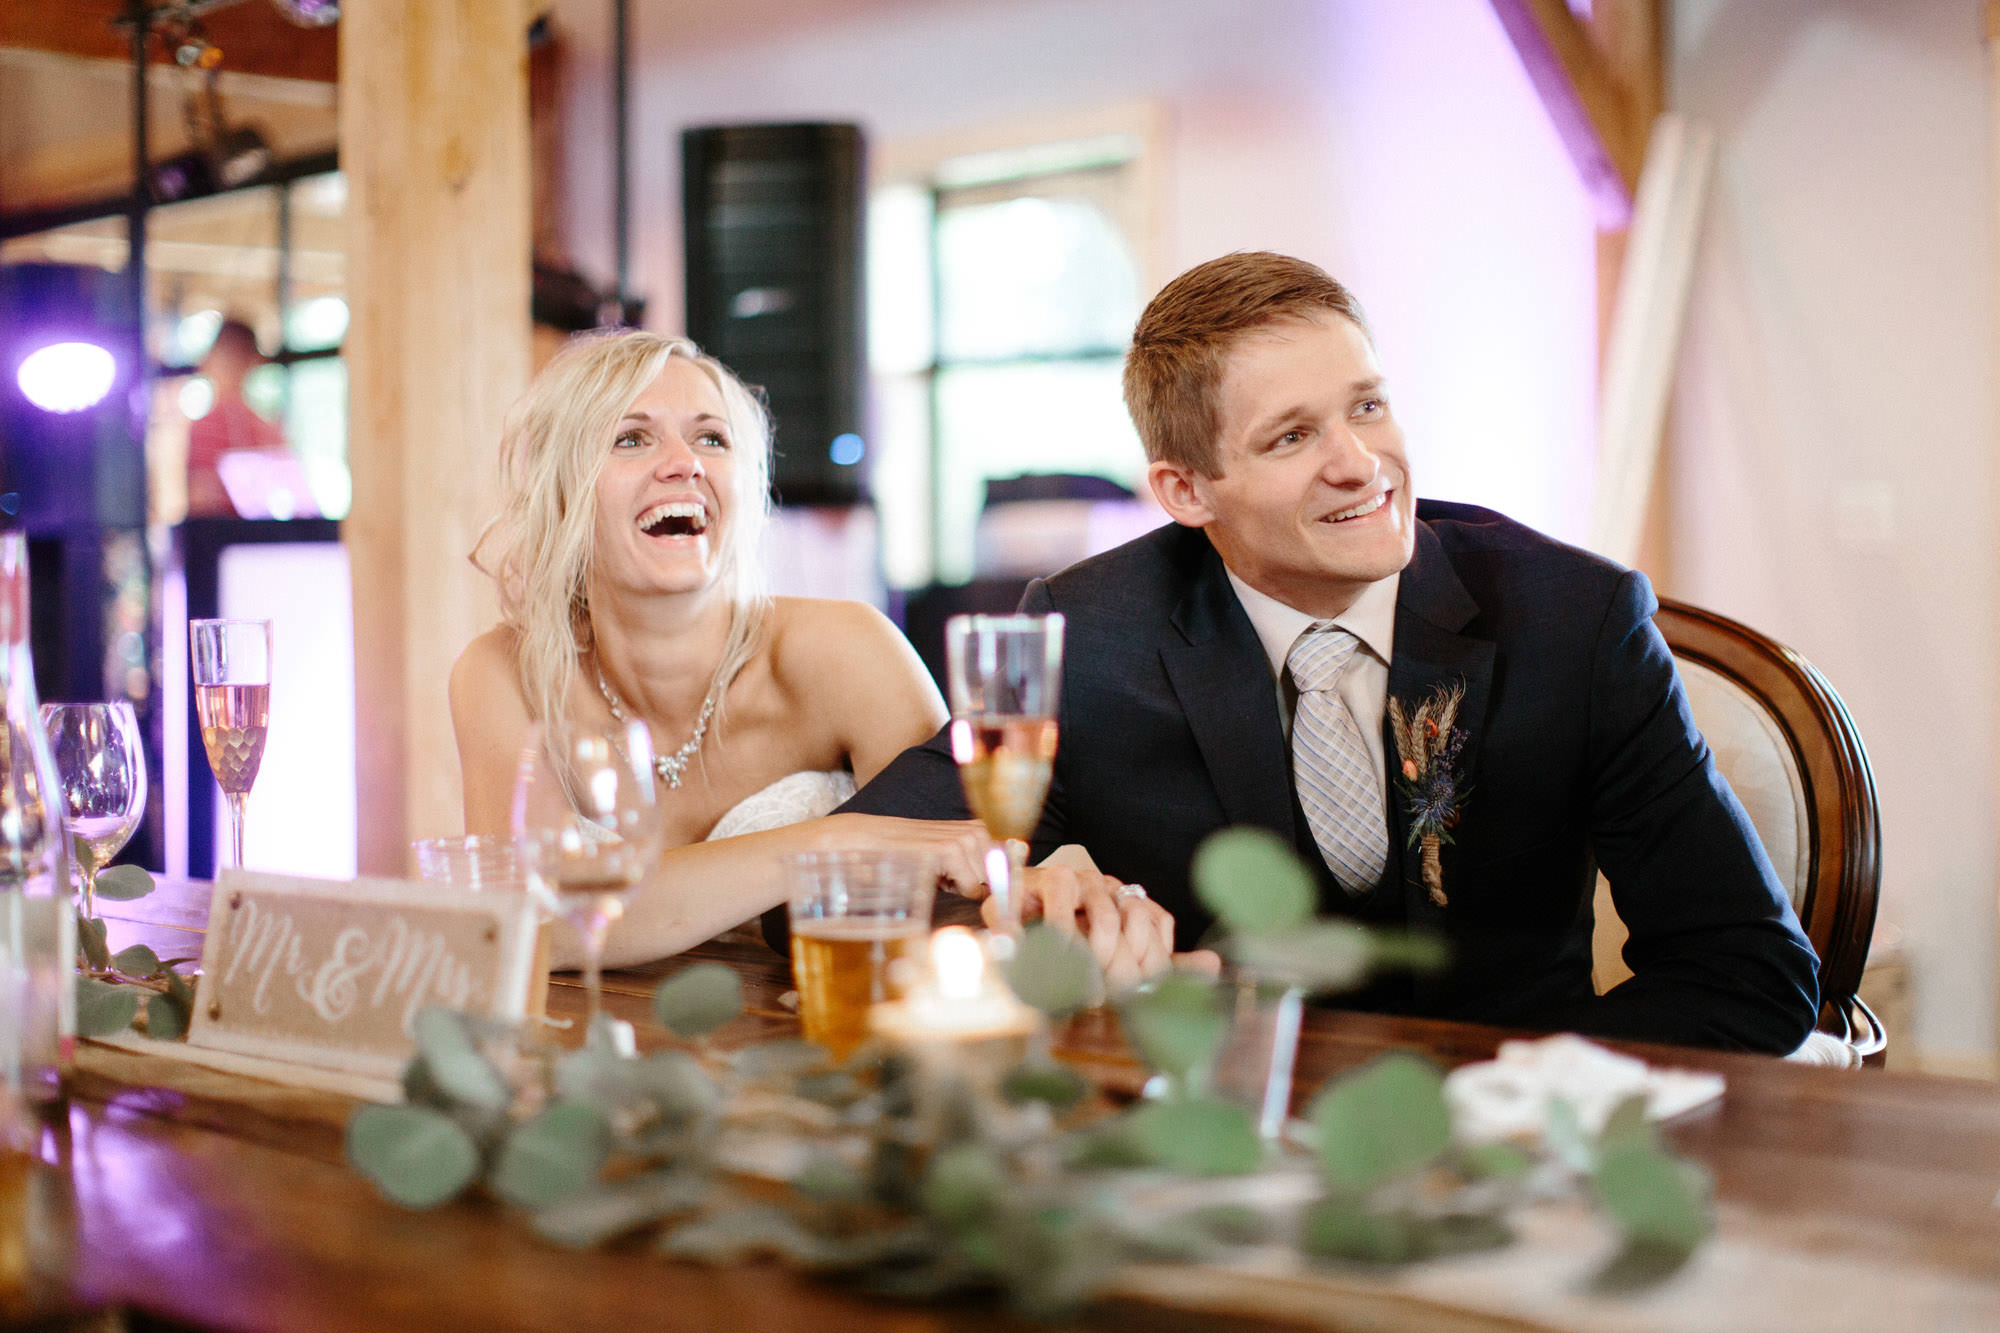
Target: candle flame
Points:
(959, 963)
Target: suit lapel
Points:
(1223, 682)
(1432, 606)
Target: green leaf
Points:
(1317, 955)
(1058, 1085)
(1656, 1199)
(103, 1009)
(552, 1156)
(1338, 1228)
(137, 961)
(417, 1157)
(679, 1088)
(963, 1185)
(1208, 1137)
(1112, 1145)
(1052, 970)
(829, 1179)
(166, 1018)
(1177, 1022)
(90, 938)
(1493, 1161)
(121, 884)
(592, 1216)
(455, 1064)
(178, 987)
(1566, 1138)
(1232, 1223)
(1628, 1126)
(698, 999)
(1385, 1120)
(1253, 881)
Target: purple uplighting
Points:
(67, 377)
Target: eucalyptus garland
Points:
(912, 1182)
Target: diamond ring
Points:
(1127, 892)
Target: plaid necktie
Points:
(1339, 788)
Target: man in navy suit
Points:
(1237, 666)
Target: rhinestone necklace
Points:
(670, 767)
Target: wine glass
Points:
(587, 825)
(101, 769)
(1004, 675)
(232, 696)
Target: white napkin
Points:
(1508, 1096)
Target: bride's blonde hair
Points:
(538, 548)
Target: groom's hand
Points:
(1130, 935)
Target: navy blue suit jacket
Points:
(1581, 751)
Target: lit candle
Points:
(963, 1001)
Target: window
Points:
(1004, 287)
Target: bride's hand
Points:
(957, 847)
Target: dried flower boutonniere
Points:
(1428, 744)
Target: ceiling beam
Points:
(254, 37)
(1594, 113)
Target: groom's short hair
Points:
(1173, 373)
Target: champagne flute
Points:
(1004, 675)
(232, 696)
(101, 769)
(587, 825)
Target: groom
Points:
(1239, 666)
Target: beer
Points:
(841, 965)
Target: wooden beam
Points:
(434, 143)
(1591, 110)
(254, 38)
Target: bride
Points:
(626, 552)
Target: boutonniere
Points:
(1428, 744)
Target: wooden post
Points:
(434, 143)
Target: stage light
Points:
(846, 449)
(67, 377)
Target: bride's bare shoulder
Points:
(485, 671)
(813, 636)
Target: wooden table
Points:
(1846, 1200)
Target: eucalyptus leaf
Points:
(738, 1233)
(1339, 1228)
(699, 999)
(552, 1156)
(1494, 1161)
(137, 961)
(1233, 1223)
(455, 1065)
(166, 1018)
(417, 1157)
(1628, 1126)
(828, 1179)
(1253, 881)
(121, 884)
(1058, 1085)
(1656, 1199)
(1564, 1132)
(836, 1088)
(103, 1009)
(679, 1088)
(600, 1213)
(1317, 955)
(178, 987)
(1209, 1137)
(1385, 1120)
(1052, 971)
(963, 1185)
(1112, 1145)
(1177, 1022)
(90, 938)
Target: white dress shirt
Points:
(1364, 686)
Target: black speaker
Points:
(773, 228)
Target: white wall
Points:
(1398, 145)
(1832, 459)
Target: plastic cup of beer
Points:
(854, 915)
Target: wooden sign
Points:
(333, 973)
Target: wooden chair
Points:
(1794, 758)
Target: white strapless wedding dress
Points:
(792, 799)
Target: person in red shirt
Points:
(230, 424)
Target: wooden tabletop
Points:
(1846, 1199)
